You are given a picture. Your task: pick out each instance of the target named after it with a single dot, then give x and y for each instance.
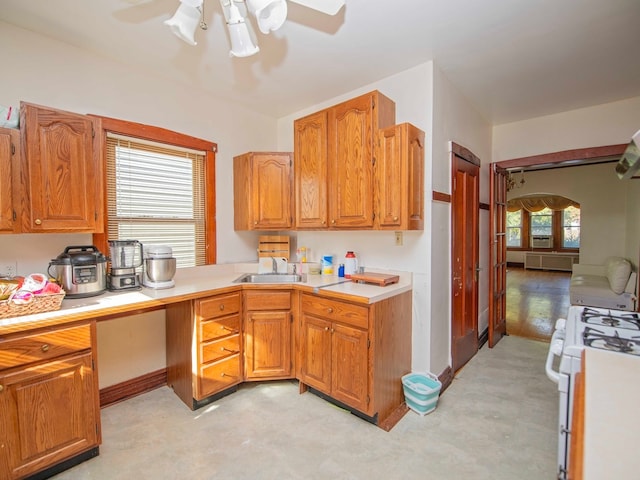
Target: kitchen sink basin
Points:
(270, 278)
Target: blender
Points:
(159, 267)
(126, 258)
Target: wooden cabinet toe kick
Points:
(217, 396)
(65, 465)
(337, 403)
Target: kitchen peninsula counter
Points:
(193, 283)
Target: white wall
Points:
(454, 119)
(40, 70)
(411, 92)
(608, 124)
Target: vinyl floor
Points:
(496, 421)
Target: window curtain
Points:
(535, 203)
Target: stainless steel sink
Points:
(270, 278)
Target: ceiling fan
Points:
(269, 14)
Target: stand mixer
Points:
(126, 258)
(160, 267)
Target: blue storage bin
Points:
(421, 391)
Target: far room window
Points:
(514, 229)
(571, 227)
(542, 222)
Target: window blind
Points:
(155, 194)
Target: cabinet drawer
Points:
(267, 300)
(219, 375)
(336, 310)
(218, 306)
(212, 351)
(43, 346)
(213, 329)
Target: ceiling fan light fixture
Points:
(185, 21)
(270, 14)
(241, 42)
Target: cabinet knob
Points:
(38, 221)
(395, 219)
(1, 388)
(45, 348)
(255, 223)
(333, 221)
(326, 329)
(222, 307)
(330, 310)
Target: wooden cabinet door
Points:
(310, 160)
(9, 177)
(48, 414)
(350, 155)
(349, 373)
(268, 344)
(63, 176)
(263, 191)
(316, 353)
(399, 173)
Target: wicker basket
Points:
(39, 304)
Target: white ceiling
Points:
(514, 59)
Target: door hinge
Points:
(97, 429)
(15, 216)
(93, 364)
(13, 149)
(373, 161)
(95, 216)
(368, 343)
(368, 399)
(93, 132)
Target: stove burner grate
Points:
(629, 321)
(597, 339)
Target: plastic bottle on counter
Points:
(350, 264)
(341, 270)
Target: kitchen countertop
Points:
(611, 420)
(197, 282)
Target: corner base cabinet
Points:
(49, 402)
(204, 348)
(357, 353)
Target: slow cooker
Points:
(80, 271)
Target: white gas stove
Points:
(585, 327)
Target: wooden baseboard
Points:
(131, 388)
(446, 377)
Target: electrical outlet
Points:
(8, 268)
(398, 238)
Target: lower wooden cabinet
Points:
(268, 335)
(49, 401)
(204, 347)
(335, 358)
(357, 353)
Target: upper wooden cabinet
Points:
(263, 191)
(399, 173)
(62, 175)
(9, 179)
(310, 160)
(334, 158)
(352, 131)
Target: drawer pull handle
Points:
(222, 327)
(225, 349)
(227, 375)
(45, 348)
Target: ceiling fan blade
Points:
(330, 7)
